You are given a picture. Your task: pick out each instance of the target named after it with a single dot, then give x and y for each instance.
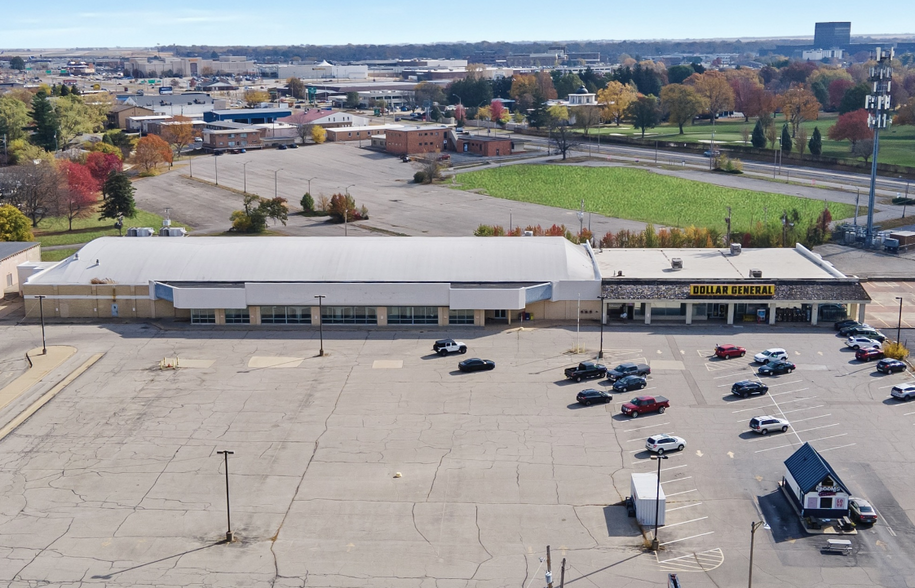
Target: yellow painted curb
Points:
(42, 364)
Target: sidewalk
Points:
(42, 365)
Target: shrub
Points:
(308, 203)
(895, 350)
(323, 203)
(419, 177)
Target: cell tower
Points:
(877, 105)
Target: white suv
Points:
(667, 442)
(767, 423)
(772, 354)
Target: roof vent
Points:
(755, 273)
(676, 263)
(736, 248)
(619, 274)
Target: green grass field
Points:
(641, 195)
(54, 230)
(57, 254)
(897, 146)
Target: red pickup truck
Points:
(642, 404)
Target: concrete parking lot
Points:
(117, 481)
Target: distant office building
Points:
(831, 34)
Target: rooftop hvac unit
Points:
(141, 232)
(528, 233)
(172, 232)
(755, 273)
(736, 248)
(676, 263)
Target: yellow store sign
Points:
(732, 290)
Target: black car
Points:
(845, 323)
(867, 332)
(628, 383)
(592, 396)
(475, 364)
(851, 329)
(746, 388)
(888, 366)
(281, 147)
(293, 146)
(782, 366)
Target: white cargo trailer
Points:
(645, 496)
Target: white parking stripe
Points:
(773, 448)
(791, 392)
(684, 492)
(684, 522)
(825, 438)
(812, 418)
(682, 507)
(803, 409)
(645, 427)
(673, 468)
(817, 428)
(839, 447)
(677, 480)
(685, 538)
(785, 383)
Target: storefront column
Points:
(813, 314)
(443, 316)
(647, 313)
(254, 314)
(861, 308)
(730, 313)
(220, 316)
(381, 316)
(772, 306)
(479, 318)
(689, 313)
(315, 315)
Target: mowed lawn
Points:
(641, 195)
(897, 145)
(55, 230)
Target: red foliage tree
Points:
(837, 89)
(852, 127)
(496, 110)
(101, 165)
(78, 193)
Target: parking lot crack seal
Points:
(583, 526)
(426, 539)
(435, 475)
(476, 520)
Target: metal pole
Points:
(753, 528)
(549, 568)
(600, 353)
(320, 298)
(275, 192)
(871, 199)
(190, 162)
(216, 167)
(244, 170)
(309, 183)
(898, 323)
(230, 537)
(44, 347)
(906, 201)
(657, 504)
(562, 574)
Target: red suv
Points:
(729, 351)
(868, 354)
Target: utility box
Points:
(646, 494)
(906, 238)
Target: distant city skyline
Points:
(64, 23)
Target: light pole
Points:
(230, 536)
(274, 182)
(190, 162)
(216, 166)
(898, 322)
(600, 353)
(657, 503)
(906, 200)
(753, 527)
(581, 216)
(244, 171)
(346, 210)
(309, 183)
(320, 298)
(44, 347)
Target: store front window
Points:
(412, 315)
(349, 315)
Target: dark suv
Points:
(746, 388)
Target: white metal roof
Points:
(137, 260)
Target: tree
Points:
(76, 117)
(14, 116)
(17, 63)
(343, 209)
(771, 134)
(352, 100)
(275, 208)
(681, 102)
(644, 113)
(472, 91)
(100, 166)
(78, 192)
(179, 134)
(32, 188)
(904, 116)
(615, 99)
(152, 151)
(678, 74)
(565, 83)
(561, 135)
(121, 140)
(800, 142)
(716, 93)
(255, 97)
(117, 197)
(799, 104)
(524, 91)
(296, 87)
(47, 127)
(252, 219)
(318, 134)
(786, 139)
(106, 148)
(14, 226)
(545, 86)
(498, 113)
(307, 203)
(759, 135)
(586, 117)
(816, 142)
(863, 148)
(854, 98)
(836, 91)
(427, 92)
(851, 127)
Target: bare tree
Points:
(586, 117)
(32, 188)
(303, 132)
(562, 137)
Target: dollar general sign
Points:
(733, 290)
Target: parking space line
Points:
(803, 409)
(791, 392)
(645, 427)
(785, 383)
(731, 375)
(812, 418)
(673, 468)
(908, 413)
(682, 507)
(684, 492)
(676, 480)
(825, 438)
(818, 428)
(684, 522)
(685, 538)
(773, 448)
(839, 447)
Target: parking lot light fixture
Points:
(753, 527)
(899, 320)
(603, 299)
(657, 503)
(230, 536)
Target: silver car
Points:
(767, 423)
(666, 442)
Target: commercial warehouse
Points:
(435, 281)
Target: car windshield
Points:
(865, 508)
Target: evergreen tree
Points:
(117, 194)
(787, 144)
(816, 142)
(17, 62)
(759, 135)
(64, 90)
(47, 127)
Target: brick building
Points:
(485, 146)
(418, 139)
(358, 133)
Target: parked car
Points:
(867, 332)
(710, 153)
(888, 366)
(903, 391)
(592, 396)
(293, 146)
(666, 442)
(861, 511)
(728, 351)
(475, 364)
(869, 354)
(746, 388)
(845, 323)
(628, 369)
(629, 383)
(856, 342)
(585, 370)
(281, 147)
(853, 329)
(782, 366)
(766, 424)
(772, 354)
(643, 404)
(446, 346)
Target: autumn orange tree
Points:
(799, 104)
(179, 134)
(851, 127)
(615, 99)
(717, 95)
(152, 151)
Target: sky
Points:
(103, 23)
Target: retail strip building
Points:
(434, 281)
